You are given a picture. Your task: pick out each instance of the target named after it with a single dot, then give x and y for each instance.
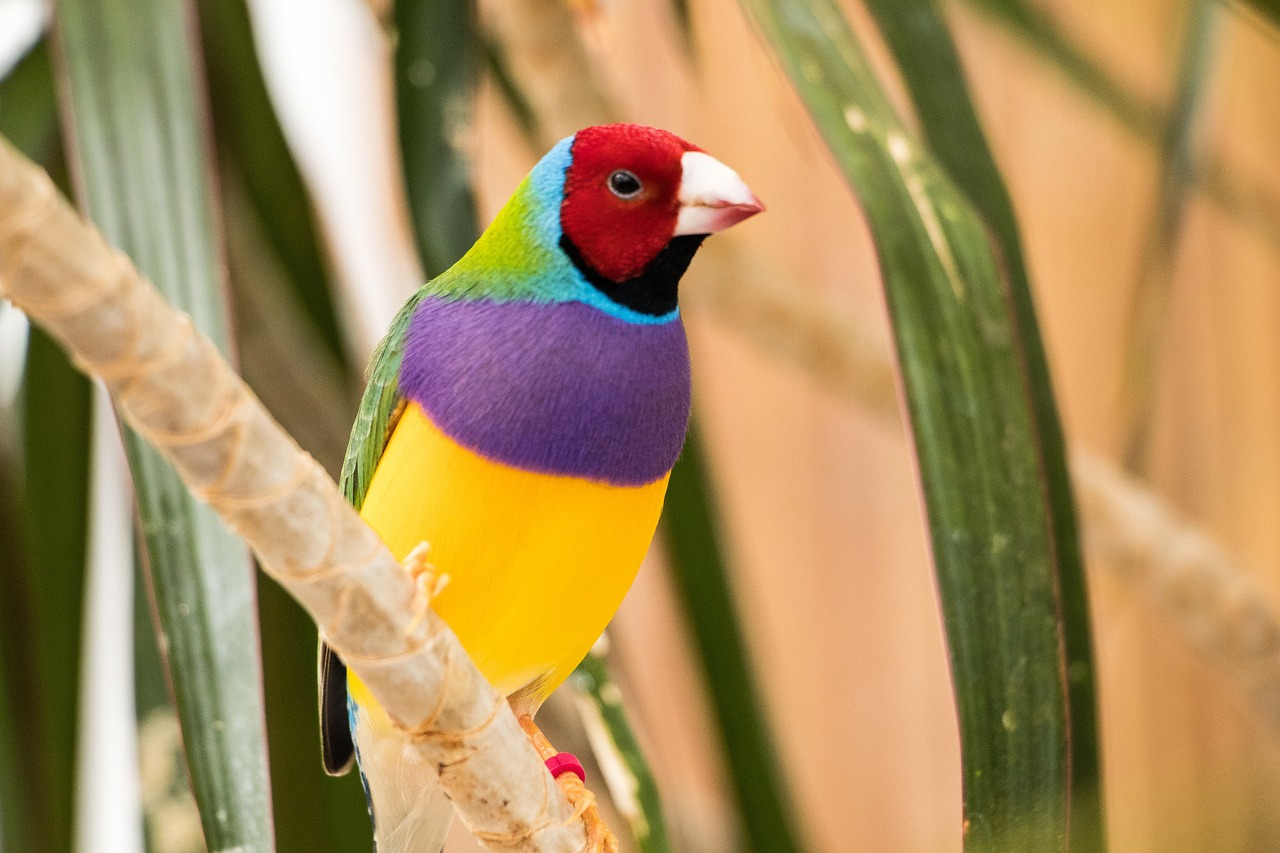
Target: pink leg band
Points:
(566, 762)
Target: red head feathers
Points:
(630, 189)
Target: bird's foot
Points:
(568, 773)
(428, 581)
(600, 839)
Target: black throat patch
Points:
(654, 291)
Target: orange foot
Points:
(599, 837)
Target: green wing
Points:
(379, 410)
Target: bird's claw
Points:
(428, 582)
(600, 839)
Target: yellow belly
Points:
(537, 563)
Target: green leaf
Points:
(1269, 9)
(495, 62)
(691, 528)
(918, 38)
(41, 602)
(684, 23)
(975, 431)
(314, 813)
(22, 770)
(28, 109)
(130, 94)
(43, 521)
(1149, 305)
(435, 68)
(249, 139)
(648, 826)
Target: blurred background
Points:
(1139, 144)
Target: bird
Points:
(517, 431)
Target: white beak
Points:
(712, 196)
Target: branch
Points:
(171, 385)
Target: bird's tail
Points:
(409, 809)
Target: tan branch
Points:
(1189, 577)
(171, 385)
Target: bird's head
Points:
(630, 190)
(610, 217)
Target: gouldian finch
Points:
(522, 416)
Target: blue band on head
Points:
(564, 281)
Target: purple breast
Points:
(560, 389)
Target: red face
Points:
(621, 196)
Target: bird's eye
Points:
(624, 184)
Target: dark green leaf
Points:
(28, 109)
(691, 528)
(435, 66)
(41, 601)
(23, 771)
(249, 139)
(1269, 9)
(918, 38)
(314, 813)
(521, 110)
(131, 98)
(684, 23)
(42, 582)
(975, 435)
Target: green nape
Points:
(516, 259)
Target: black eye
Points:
(624, 184)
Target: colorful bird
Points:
(522, 416)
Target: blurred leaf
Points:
(43, 523)
(131, 100)
(515, 98)
(1269, 9)
(684, 23)
(22, 782)
(28, 110)
(249, 138)
(975, 434)
(1138, 114)
(648, 826)
(1149, 305)
(150, 684)
(315, 813)
(435, 68)
(282, 355)
(918, 37)
(692, 534)
(1241, 197)
(41, 605)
